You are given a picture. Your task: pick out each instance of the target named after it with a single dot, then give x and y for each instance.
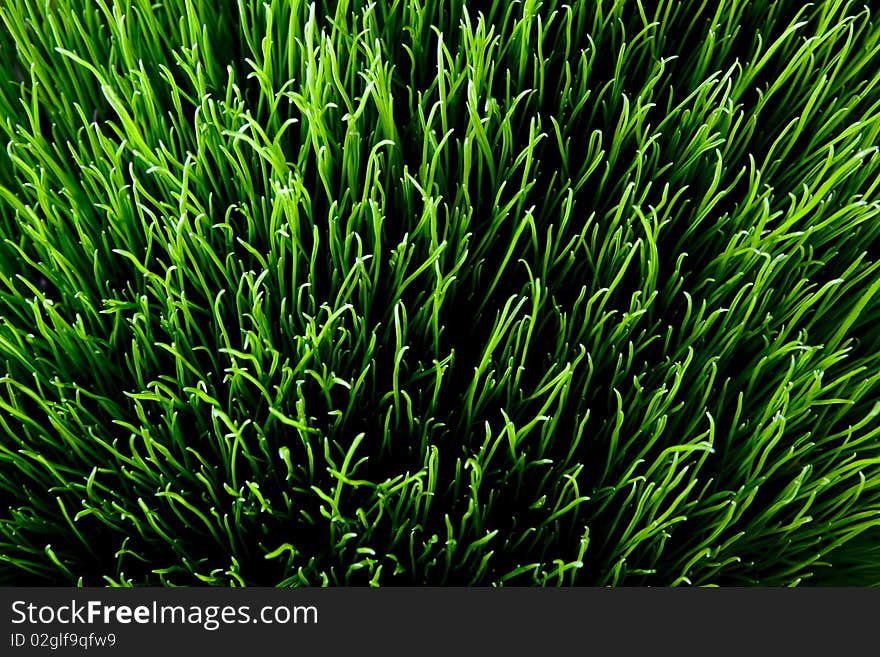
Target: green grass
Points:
(408, 293)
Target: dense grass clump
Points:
(434, 292)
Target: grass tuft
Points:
(414, 292)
